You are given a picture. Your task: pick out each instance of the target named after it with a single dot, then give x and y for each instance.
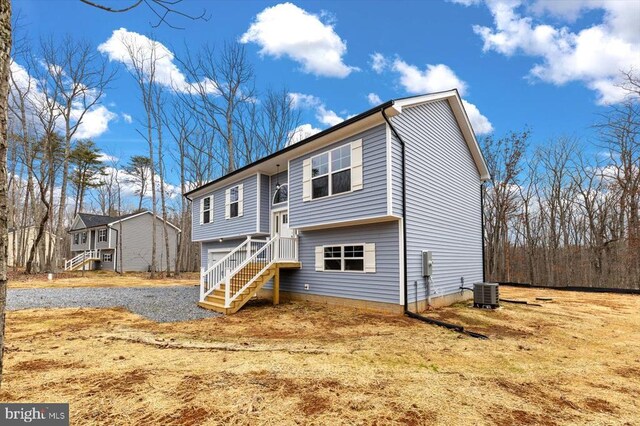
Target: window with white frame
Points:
(234, 202)
(102, 235)
(107, 257)
(346, 258)
(333, 172)
(76, 238)
(206, 209)
(84, 237)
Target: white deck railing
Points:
(244, 264)
(81, 258)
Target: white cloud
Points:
(302, 132)
(438, 78)
(466, 2)
(129, 47)
(374, 99)
(92, 124)
(594, 55)
(323, 114)
(435, 78)
(106, 158)
(287, 30)
(130, 185)
(127, 118)
(378, 62)
(481, 124)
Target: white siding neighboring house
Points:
(99, 238)
(27, 236)
(333, 218)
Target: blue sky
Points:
(548, 65)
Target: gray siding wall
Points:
(225, 244)
(396, 175)
(443, 200)
(265, 203)
(381, 286)
(107, 266)
(282, 178)
(80, 246)
(102, 244)
(221, 227)
(369, 201)
(137, 243)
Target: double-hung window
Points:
(206, 209)
(346, 258)
(102, 235)
(331, 172)
(234, 201)
(84, 237)
(76, 238)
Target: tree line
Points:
(566, 213)
(194, 132)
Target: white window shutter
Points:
(356, 165)
(211, 208)
(240, 200)
(370, 257)
(306, 180)
(227, 201)
(319, 258)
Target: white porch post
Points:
(202, 283)
(227, 287)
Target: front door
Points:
(93, 240)
(280, 224)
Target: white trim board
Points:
(338, 224)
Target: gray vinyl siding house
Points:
(363, 223)
(104, 236)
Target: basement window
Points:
(344, 258)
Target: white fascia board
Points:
(140, 214)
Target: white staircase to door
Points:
(81, 259)
(229, 283)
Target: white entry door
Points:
(216, 255)
(280, 224)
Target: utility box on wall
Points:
(427, 263)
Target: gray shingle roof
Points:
(92, 220)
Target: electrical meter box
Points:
(427, 263)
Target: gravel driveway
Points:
(163, 304)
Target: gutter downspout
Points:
(454, 327)
(404, 207)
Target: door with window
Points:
(280, 224)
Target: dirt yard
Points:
(99, 279)
(573, 360)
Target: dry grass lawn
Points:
(99, 279)
(574, 360)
